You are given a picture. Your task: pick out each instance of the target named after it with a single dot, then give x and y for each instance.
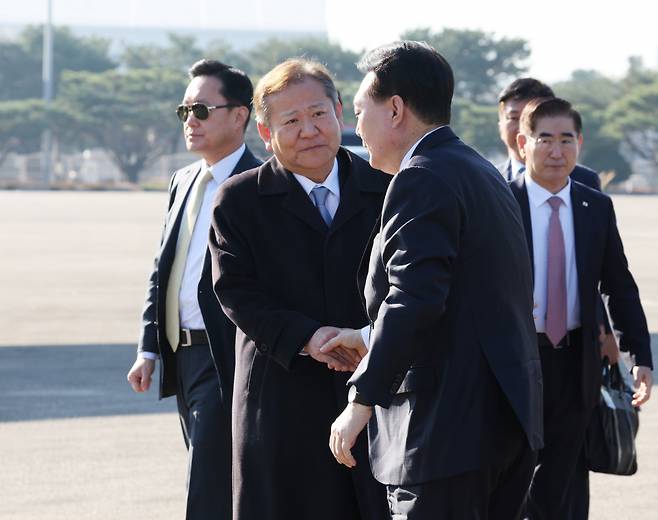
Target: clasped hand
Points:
(340, 349)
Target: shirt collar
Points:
(331, 182)
(223, 168)
(538, 195)
(407, 157)
(516, 166)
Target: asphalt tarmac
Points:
(75, 441)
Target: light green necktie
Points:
(192, 207)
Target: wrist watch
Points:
(355, 397)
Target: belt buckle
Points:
(188, 338)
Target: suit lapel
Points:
(521, 193)
(274, 179)
(247, 162)
(364, 264)
(582, 221)
(351, 201)
(176, 213)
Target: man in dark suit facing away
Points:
(286, 244)
(510, 105)
(451, 384)
(575, 248)
(182, 323)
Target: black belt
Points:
(189, 337)
(572, 338)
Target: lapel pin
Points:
(585, 203)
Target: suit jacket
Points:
(220, 330)
(280, 274)
(580, 173)
(600, 260)
(449, 293)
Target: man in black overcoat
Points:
(286, 243)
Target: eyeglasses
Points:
(200, 111)
(549, 142)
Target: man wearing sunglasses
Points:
(182, 322)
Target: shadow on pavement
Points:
(50, 382)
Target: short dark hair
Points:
(236, 86)
(525, 88)
(417, 73)
(539, 108)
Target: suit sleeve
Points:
(618, 285)
(421, 223)
(148, 338)
(277, 332)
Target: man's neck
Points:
(553, 187)
(217, 155)
(514, 155)
(412, 137)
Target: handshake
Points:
(340, 349)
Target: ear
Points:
(265, 135)
(521, 141)
(338, 110)
(398, 108)
(580, 140)
(241, 116)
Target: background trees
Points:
(124, 102)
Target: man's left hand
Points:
(346, 429)
(642, 379)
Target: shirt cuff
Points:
(147, 355)
(365, 335)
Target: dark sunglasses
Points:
(199, 110)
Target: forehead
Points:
(298, 97)
(514, 106)
(204, 88)
(361, 95)
(555, 125)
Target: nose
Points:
(191, 120)
(308, 127)
(556, 150)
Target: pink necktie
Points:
(556, 293)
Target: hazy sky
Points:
(564, 34)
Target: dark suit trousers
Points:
(565, 423)
(496, 492)
(207, 432)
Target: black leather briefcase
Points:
(610, 438)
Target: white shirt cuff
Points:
(365, 335)
(147, 355)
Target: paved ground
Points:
(75, 442)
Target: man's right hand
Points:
(339, 359)
(139, 375)
(348, 340)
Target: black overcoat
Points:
(280, 274)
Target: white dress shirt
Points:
(331, 183)
(188, 303)
(540, 213)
